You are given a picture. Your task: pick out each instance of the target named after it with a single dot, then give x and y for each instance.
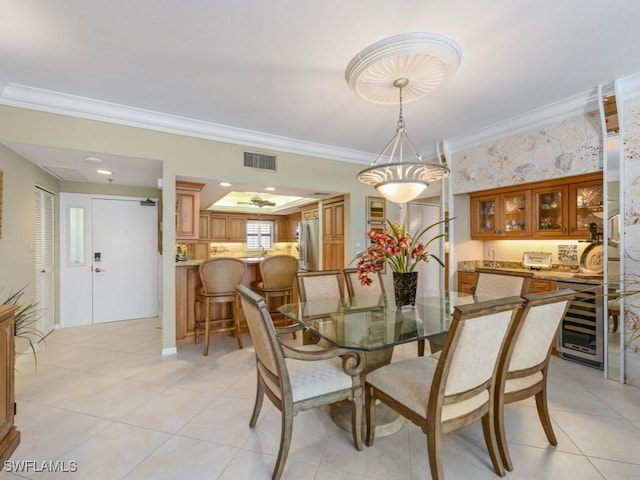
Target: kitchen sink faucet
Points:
(492, 254)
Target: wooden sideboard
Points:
(9, 434)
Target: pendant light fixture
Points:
(414, 64)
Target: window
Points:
(259, 234)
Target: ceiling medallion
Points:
(428, 60)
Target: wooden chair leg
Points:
(285, 443)
(421, 348)
(236, 320)
(488, 429)
(501, 437)
(197, 313)
(257, 406)
(207, 314)
(543, 414)
(434, 453)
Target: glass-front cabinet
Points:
(586, 207)
(502, 215)
(550, 211)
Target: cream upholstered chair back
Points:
(469, 358)
(278, 271)
(543, 313)
(322, 285)
(498, 285)
(221, 274)
(269, 357)
(356, 289)
(523, 370)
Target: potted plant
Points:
(26, 319)
(402, 251)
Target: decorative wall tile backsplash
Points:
(570, 147)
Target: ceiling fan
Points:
(258, 202)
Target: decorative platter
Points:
(592, 259)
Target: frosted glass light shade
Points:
(401, 192)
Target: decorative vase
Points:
(405, 285)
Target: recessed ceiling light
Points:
(270, 189)
(224, 184)
(104, 172)
(93, 159)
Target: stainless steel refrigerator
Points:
(310, 245)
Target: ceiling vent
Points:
(258, 160)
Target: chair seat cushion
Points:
(312, 378)
(409, 383)
(517, 384)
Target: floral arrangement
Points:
(401, 250)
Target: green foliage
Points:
(26, 319)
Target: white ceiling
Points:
(275, 70)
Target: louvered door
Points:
(44, 250)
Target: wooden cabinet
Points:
(538, 285)
(556, 209)
(586, 200)
(188, 211)
(287, 228)
(216, 227)
(466, 282)
(333, 235)
(9, 434)
(310, 212)
(506, 215)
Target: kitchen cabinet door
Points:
(237, 229)
(204, 234)
(218, 228)
(485, 216)
(187, 213)
(551, 212)
(585, 207)
(466, 282)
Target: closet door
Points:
(44, 250)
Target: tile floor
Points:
(103, 400)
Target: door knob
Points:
(98, 270)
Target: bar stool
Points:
(219, 279)
(278, 273)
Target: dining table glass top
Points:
(372, 323)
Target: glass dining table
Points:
(373, 324)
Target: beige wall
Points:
(189, 157)
(17, 256)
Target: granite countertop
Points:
(191, 263)
(557, 272)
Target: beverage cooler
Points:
(581, 334)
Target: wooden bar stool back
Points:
(219, 279)
(278, 273)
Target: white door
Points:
(123, 283)
(125, 260)
(44, 249)
(431, 274)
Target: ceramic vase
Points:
(405, 285)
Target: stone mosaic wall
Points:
(567, 148)
(632, 236)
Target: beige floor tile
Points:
(621, 399)
(169, 410)
(207, 378)
(548, 464)
(326, 474)
(182, 457)
(112, 453)
(611, 470)
(253, 466)
(603, 437)
(243, 387)
(125, 365)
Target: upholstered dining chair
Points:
(495, 284)
(219, 277)
(525, 373)
(278, 273)
(322, 285)
(355, 287)
(297, 379)
(459, 388)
